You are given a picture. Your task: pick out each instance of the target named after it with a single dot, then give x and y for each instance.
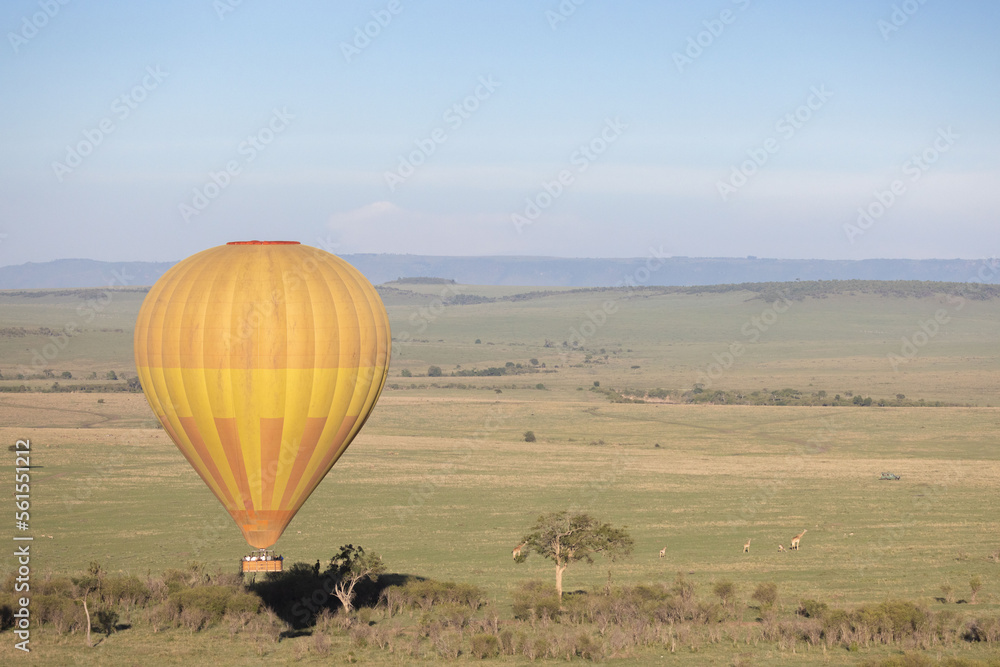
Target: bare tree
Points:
(349, 567)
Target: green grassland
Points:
(442, 484)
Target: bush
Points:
(111, 375)
(434, 372)
(725, 590)
(426, 593)
(485, 646)
(975, 584)
(202, 606)
(765, 595)
(125, 590)
(895, 619)
(107, 621)
(406, 373)
(535, 600)
(812, 609)
(529, 436)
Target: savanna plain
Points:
(696, 419)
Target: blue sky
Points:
(596, 132)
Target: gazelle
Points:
(781, 548)
(746, 547)
(663, 552)
(795, 540)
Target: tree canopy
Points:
(566, 538)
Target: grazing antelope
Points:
(663, 552)
(781, 548)
(795, 540)
(517, 550)
(746, 547)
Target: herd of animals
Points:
(793, 545)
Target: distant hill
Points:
(544, 271)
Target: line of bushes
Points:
(426, 619)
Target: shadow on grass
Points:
(300, 593)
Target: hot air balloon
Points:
(262, 360)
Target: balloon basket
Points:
(262, 560)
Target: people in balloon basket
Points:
(264, 556)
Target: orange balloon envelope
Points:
(262, 360)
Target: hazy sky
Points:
(152, 130)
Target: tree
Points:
(349, 567)
(566, 538)
(86, 585)
(406, 373)
(112, 375)
(434, 372)
(529, 436)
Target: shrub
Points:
(892, 620)
(406, 373)
(975, 584)
(106, 621)
(812, 609)
(201, 606)
(425, 593)
(434, 371)
(485, 646)
(126, 590)
(111, 375)
(725, 590)
(535, 600)
(766, 594)
(529, 436)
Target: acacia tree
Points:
(349, 567)
(566, 538)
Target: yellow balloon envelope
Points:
(262, 360)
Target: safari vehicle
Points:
(889, 475)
